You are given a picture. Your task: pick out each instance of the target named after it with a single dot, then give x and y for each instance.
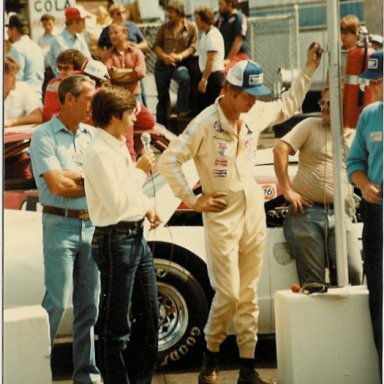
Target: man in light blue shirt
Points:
(27, 53)
(70, 37)
(57, 150)
(45, 40)
(365, 170)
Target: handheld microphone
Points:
(146, 140)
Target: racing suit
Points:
(235, 237)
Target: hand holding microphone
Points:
(146, 140)
(147, 161)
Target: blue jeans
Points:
(128, 288)
(68, 264)
(163, 75)
(372, 215)
(311, 238)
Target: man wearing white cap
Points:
(222, 141)
(70, 37)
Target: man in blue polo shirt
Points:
(70, 37)
(365, 169)
(119, 15)
(57, 150)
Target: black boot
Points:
(209, 368)
(248, 374)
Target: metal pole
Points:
(336, 125)
(296, 36)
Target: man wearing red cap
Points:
(70, 37)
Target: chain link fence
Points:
(273, 43)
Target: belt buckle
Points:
(83, 215)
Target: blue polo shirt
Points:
(54, 147)
(65, 40)
(30, 57)
(366, 153)
(231, 25)
(134, 35)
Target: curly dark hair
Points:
(72, 56)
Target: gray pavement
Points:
(226, 377)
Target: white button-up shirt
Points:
(113, 184)
(21, 101)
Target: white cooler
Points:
(325, 338)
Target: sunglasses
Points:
(323, 103)
(348, 30)
(119, 13)
(375, 82)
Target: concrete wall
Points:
(26, 346)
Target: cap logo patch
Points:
(256, 79)
(373, 63)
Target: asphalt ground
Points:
(266, 365)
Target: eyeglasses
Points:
(345, 30)
(323, 103)
(119, 13)
(375, 82)
(64, 67)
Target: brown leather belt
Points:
(81, 214)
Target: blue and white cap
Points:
(249, 76)
(374, 67)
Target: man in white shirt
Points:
(117, 207)
(21, 106)
(211, 58)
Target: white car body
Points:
(180, 259)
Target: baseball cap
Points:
(74, 13)
(96, 69)
(17, 21)
(248, 75)
(377, 39)
(374, 67)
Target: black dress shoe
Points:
(249, 376)
(209, 370)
